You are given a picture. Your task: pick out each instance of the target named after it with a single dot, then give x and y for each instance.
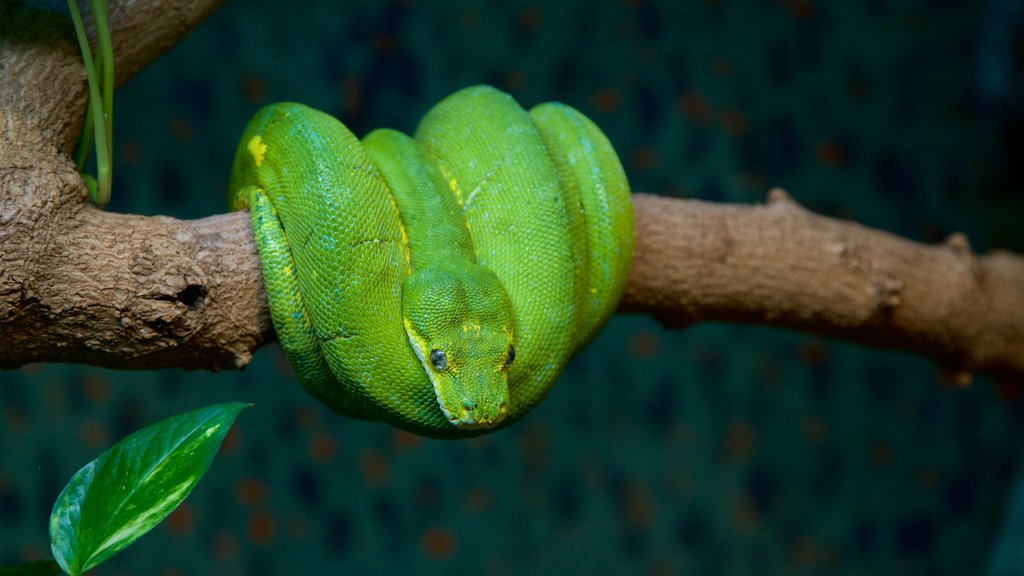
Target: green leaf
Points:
(131, 487)
(37, 568)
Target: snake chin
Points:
(471, 421)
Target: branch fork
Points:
(124, 291)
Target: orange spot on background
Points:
(352, 95)
(478, 501)
(531, 18)
(639, 507)
(96, 389)
(304, 417)
(644, 344)
(830, 153)
(250, 492)
(695, 106)
(182, 130)
(322, 447)
(225, 546)
(255, 88)
(739, 441)
(438, 542)
(182, 521)
(746, 514)
(814, 429)
(131, 153)
(606, 100)
(374, 467)
(644, 158)
(94, 433)
(799, 9)
(723, 66)
(514, 79)
(814, 352)
(403, 440)
(232, 441)
(260, 528)
(386, 44)
(733, 121)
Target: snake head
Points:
(460, 322)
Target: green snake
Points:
(438, 282)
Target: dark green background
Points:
(715, 450)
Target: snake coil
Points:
(439, 282)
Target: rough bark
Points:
(124, 291)
(81, 285)
(78, 284)
(780, 265)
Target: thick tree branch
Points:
(81, 285)
(135, 292)
(781, 265)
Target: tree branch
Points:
(133, 292)
(781, 265)
(81, 285)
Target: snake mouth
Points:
(470, 425)
(471, 421)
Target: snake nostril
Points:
(469, 405)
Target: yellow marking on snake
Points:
(406, 254)
(257, 148)
(453, 184)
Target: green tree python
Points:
(438, 282)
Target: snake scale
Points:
(438, 282)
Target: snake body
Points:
(438, 282)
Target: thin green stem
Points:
(84, 145)
(97, 104)
(105, 56)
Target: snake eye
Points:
(510, 356)
(439, 359)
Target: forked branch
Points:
(133, 292)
